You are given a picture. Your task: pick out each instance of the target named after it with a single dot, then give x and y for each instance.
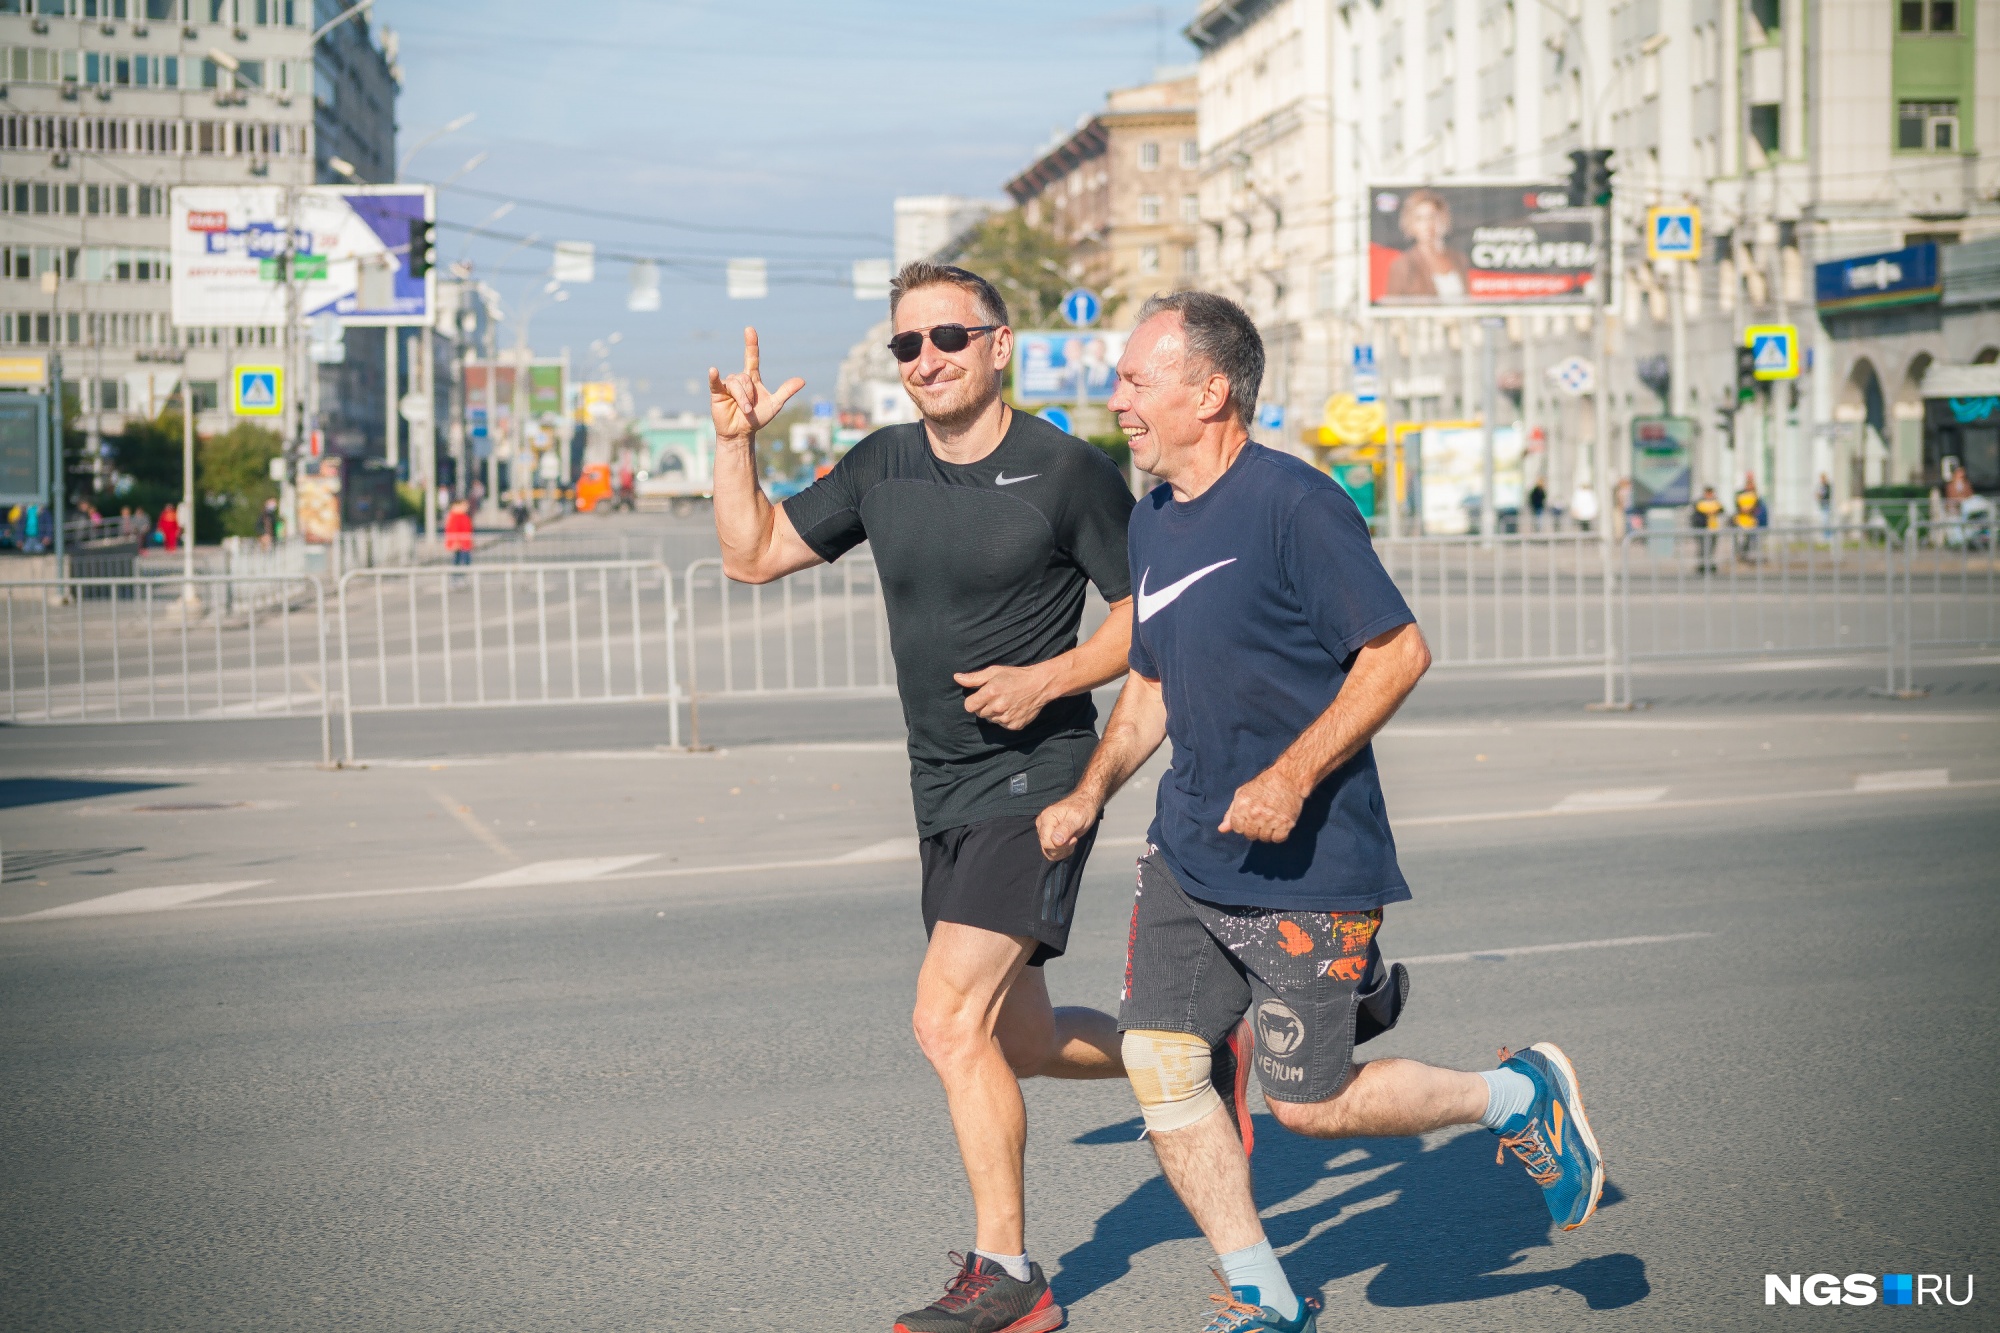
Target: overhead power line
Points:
(677, 224)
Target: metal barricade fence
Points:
(823, 630)
(1951, 582)
(465, 636)
(1512, 599)
(1734, 591)
(166, 650)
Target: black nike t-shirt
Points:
(982, 564)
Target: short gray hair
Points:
(1221, 340)
(924, 273)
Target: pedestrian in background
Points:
(1750, 516)
(458, 532)
(170, 527)
(1583, 506)
(1538, 500)
(1707, 518)
(1823, 497)
(267, 524)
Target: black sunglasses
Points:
(945, 337)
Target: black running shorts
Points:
(1313, 982)
(993, 875)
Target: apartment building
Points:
(1268, 196)
(1808, 133)
(1123, 192)
(111, 103)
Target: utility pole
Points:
(1489, 335)
(58, 481)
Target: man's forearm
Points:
(1096, 661)
(1137, 727)
(743, 515)
(1384, 674)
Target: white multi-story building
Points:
(1268, 195)
(1807, 131)
(111, 103)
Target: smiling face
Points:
(1162, 409)
(951, 388)
(1426, 223)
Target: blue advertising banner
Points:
(1869, 282)
(1045, 365)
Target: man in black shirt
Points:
(985, 525)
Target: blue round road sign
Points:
(1056, 417)
(1081, 307)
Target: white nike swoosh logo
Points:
(1002, 479)
(1152, 603)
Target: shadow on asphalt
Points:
(1446, 1222)
(17, 792)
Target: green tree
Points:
(232, 474)
(1030, 266)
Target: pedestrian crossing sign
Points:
(259, 391)
(1673, 232)
(1774, 350)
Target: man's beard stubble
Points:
(962, 408)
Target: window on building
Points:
(1927, 16)
(1149, 156)
(1190, 209)
(163, 10)
(1764, 127)
(1927, 127)
(1149, 259)
(1190, 259)
(1765, 15)
(1190, 154)
(1149, 208)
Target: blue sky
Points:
(777, 114)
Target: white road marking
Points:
(889, 849)
(1498, 954)
(850, 861)
(558, 872)
(1690, 803)
(140, 900)
(1610, 798)
(1909, 779)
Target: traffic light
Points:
(1590, 176)
(1746, 374)
(423, 246)
(1579, 178)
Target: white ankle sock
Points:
(1015, 1264)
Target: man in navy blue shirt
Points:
(1269, 643)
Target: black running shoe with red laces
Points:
(1229, 1072)
(983, 1297)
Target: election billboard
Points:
(1045, 365)
(350, 246)
(1466, 246)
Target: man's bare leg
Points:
(1206, 1166)
(1070, 1042)
(1388, 1099)
(966, 975)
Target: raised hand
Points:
(741, 405)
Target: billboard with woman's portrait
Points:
(1476, 245)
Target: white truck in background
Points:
(677, 462)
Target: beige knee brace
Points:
(1170, 1076)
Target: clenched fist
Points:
(1063, 823)
(1265, 808)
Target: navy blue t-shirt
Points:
(1249, 604)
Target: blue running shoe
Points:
(1552, 1137)
(1239, 1312)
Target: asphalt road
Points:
(531, 1024)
